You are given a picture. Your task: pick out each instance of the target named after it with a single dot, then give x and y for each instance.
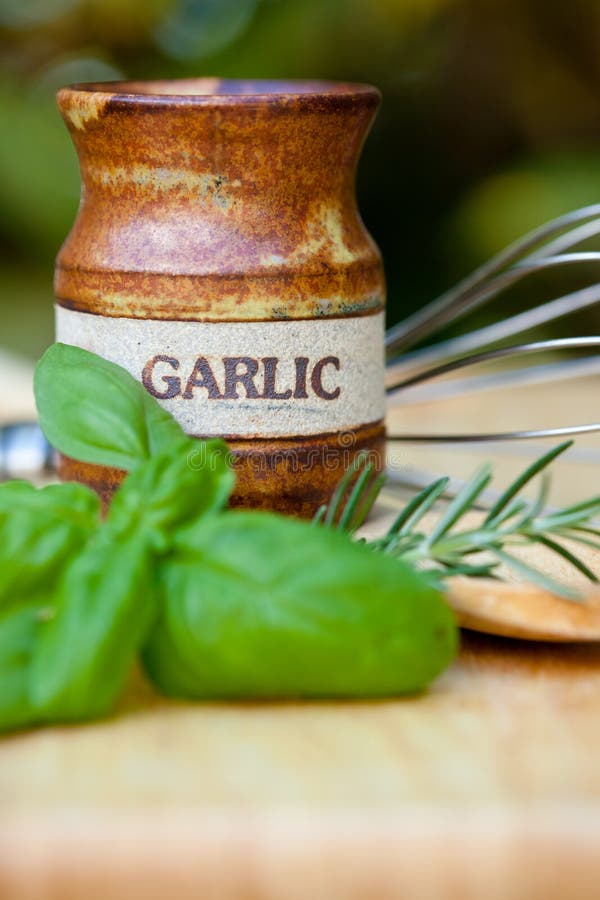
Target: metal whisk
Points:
(542, 249)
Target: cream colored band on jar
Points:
(247, 379)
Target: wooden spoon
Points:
(524, 611)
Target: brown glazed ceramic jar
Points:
(218, 254)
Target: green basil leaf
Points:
(18, 631)
(102, 611)
(176, 487)
(94, 411)
(39, 532)
(256, 605)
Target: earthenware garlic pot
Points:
(218, 255)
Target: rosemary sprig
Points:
(449, 549)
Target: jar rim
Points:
(223, 91)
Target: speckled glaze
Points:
(223, 201)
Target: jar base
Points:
(294, 476)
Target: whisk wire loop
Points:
(557, 344)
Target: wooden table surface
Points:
(488, 786)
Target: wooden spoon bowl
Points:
(523, 610)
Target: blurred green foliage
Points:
(490, 123)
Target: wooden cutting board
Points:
(488, 786)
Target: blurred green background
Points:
(490, 123)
